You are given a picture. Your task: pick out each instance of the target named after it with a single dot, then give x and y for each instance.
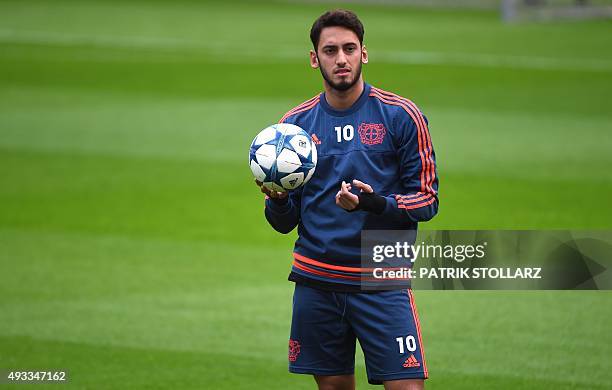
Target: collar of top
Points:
(356, 106)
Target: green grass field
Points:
(133, 248)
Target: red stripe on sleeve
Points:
(416, 206)
(431, 168)
(393, 102)
(308, 104)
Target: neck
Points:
(341, 100)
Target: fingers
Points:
(271, 193)
(363, 186)
(262, 188)
(346, 204)
(342, 201)
(274, 194)
(266, 191)
(346, 199)
(345, 187)
(342, 190)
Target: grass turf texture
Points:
(133, 248)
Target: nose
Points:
(341, 59)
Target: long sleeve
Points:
(284, 218)
(418, 174)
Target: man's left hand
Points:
(346, 199)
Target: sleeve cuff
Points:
(278, 208)
(372, 203)
(391, 208)
(390, 204)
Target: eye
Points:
(329, 50)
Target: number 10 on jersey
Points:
(345, 133)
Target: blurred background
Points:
(133, 248)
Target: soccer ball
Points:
(283, 157)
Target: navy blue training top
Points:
(382, 140)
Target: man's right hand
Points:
(277, 197)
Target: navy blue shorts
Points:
(326, 325)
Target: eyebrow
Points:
(335, 46)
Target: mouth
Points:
(342, 72)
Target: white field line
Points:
(234, 50)
(494, 61)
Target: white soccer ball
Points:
(283, 157)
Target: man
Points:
(376, 170)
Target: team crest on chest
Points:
(372, 133)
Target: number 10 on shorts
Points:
(409, 341)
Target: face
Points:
(339, 57)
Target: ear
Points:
(314, 60)
(364, 55)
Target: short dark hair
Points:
(336, 18)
